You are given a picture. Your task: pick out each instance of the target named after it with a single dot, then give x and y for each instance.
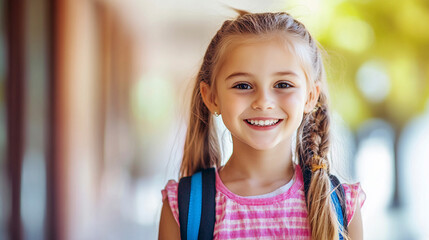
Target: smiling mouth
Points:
(263, 123)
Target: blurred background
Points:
(94, 98)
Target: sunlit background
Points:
(94, 99)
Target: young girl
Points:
(263, 73)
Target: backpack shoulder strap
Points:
(338, 196)
(197, 205)
(341, 197)
(184, 192)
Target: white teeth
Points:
(262, 122)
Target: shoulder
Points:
(170, 188)
(169, 224)
(169, 195)
(355, 198)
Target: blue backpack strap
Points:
(197, 205)
(341, 197)
(338, 196)
(195, 202)
(184, 192)
(209, 204)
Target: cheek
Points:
(232, 103)
(233, 107)
(294, 108)
(295, 103)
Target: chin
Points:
(263, 146)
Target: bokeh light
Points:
(373, 81)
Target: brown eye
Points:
(283, 85)
(243, 86)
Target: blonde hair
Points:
(202, 149)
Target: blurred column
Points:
(413, 150)
(55, 185)
(4, 193)
(14, 110)
(33, 179)
(376, 170)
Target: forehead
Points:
(260, 56)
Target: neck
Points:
(260, 165)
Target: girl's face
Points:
(262, 93)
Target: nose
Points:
(263, 101)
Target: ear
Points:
(312, 97)
(208, 98)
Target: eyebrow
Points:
(245, 74)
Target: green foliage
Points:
(392, 33)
